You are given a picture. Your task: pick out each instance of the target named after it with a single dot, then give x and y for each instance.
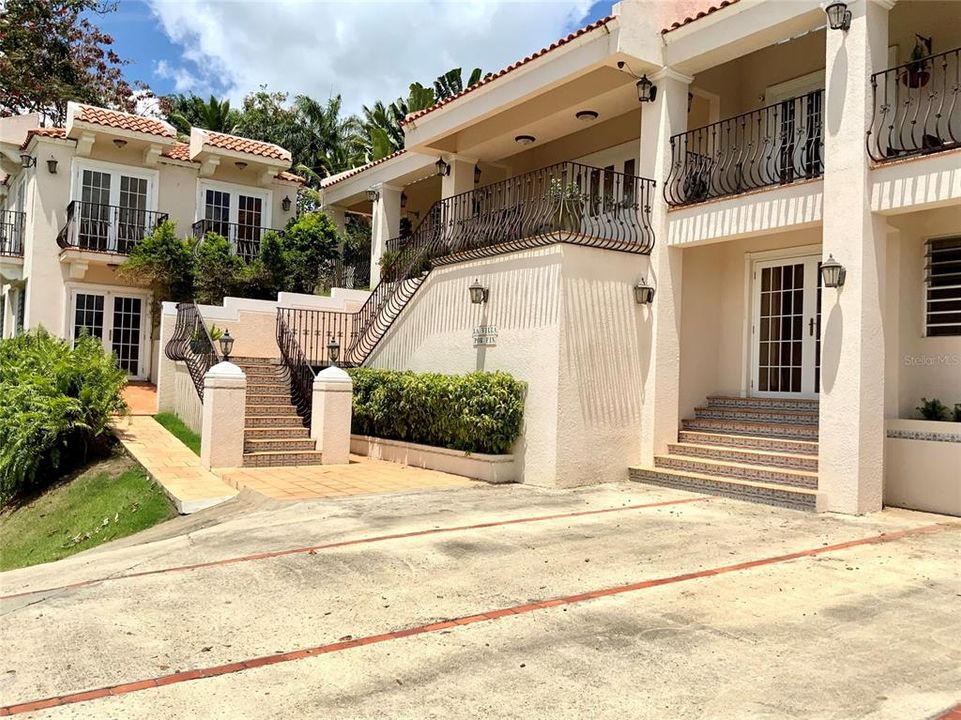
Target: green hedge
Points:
(478, 412)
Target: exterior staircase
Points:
(759, 449)
(274, 433)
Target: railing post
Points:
(331, 415)
(224, 414)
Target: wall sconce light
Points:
(832, 273)
(118, 142)
(27, 161)
(646, 90)
(643, 293)
(240, 164)
(333, 350)
(478, 293)
(839, 17)
(226, 344)
(285, 204)
(403, 199)
(443, 167)
(52, 166)
(477, 174)
(373, 193)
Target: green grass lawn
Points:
(109, 500)
(179, 430)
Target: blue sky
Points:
(317, 47)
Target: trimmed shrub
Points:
(479, 412)
(57, 401)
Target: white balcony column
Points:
(460, 179)
(385, 225)
(661, 119)
(852, 393)
(338, 215)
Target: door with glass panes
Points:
(112, 214)
(118, 321)
(237, 216)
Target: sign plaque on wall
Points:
(485, 336)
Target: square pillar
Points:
(385, 225)
(661, 119)
(224, 415)
(166, 368)
(460, 179)
(852, 392)
(330, 416)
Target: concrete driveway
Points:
(615, 601)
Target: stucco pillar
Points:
(385, 225)
(224, 412)
(166, 368)
(460, 179)
(850, 465)
(661, 119)
(330, 415)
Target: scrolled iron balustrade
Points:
(916, 108)
(244, 239)
(11, 233)
(774, 145)
(191, 344)
(106, 228)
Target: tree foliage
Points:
(186, 111)
(217, 271)
(164, 263)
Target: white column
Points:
(338, 215)
(166, 368)
(330, 415)
(224, 413)
(661, 119)
(851, 458)
(460, 179)
(385, 226)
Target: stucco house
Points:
(74, 200)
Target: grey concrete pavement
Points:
(865, 631)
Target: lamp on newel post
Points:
(478, 293)
(226, 345)
(832, 273)
(643, 293)
(333, 350)
(839, 17)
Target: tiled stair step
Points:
(739, 471)
(273, 421)
(257, 375)
(268, 388)
(762, 402)
(749, 442)
(282, 459)
(271, 410)
(276, 396)
(279, 445)
(290, 432)
(767, 493)
(742, 427)
(765, 415)
(244, 360)
(768, 458)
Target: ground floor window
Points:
(943, 287)
(21, 310)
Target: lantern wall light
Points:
(285, 203)
(52, 166)
(477, 174)
(478, 293)
(373, 193)
(226, 345)
(646, 90)
(839, 17)
(333, 350)
(27, 161)
(832, 273)
(643, 293)
(443, 167)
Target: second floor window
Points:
(113, 208)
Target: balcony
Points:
(774, 145)
(11, 233)
(243, 238)
(917, 108)
(106, 228)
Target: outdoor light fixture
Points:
(373, 193)
(646, 90)
(119, 142)
(839, 17)
(478, 293)
(524, 139)
(643, 293)
(443, 167)
(27, 161)
(52, 166)
(477, 174)
(586, 115)
(226, 344)
(832, 273)
(240, 164)
(285, 204)
(403, 199)
(333, 350)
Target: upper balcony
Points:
(115, 229)
(244, 238)
(11, 233)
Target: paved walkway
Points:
(141, 398)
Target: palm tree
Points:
(452, 82)
(323, 142)
(186, 111)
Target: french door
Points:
(238, 217)
(117, 320)
(113, 210)
(786, 328)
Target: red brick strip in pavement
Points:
(360, 541)
(234, 667)
(952, 714)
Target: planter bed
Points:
(479, 466)
(922, 458)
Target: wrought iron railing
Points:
(191, 344)
(106, 228)
(917, 108)
(244, 239)
(775, 145)
(11, 233)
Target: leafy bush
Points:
(57, 401)
(164, 263)
(311, 250)
(478, 412)
(217, 270)
(933, 409)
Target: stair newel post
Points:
(224, 414)
(331, 415)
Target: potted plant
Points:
(199, 342)
(566, 206)
(917, 75)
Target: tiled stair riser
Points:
(291, 432)
(741, 472)
(286, 459)
(759, 415)
(769, 496)
(272, 421)
(280, 445)
(740, 427)
(270, 410)
(782, 458)
(770, 444)
(759, 403)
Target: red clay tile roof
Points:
(43, 132)
(180, 151)
(291, 177)
(239, 144)
(351, 173)
(510, 68)
(698, 15)
(123, 121)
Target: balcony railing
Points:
(243, 238)
(106, 228)
(11, 233)
(917, 108)
(775, 145)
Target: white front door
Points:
(118, 321)
(786, 328)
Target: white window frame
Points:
(115, 169)
(266, 196)
(924, 285)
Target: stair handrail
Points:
(192, 344)
(296, 365)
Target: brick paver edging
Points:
(951, 714)
(229, 668)
(359, 541)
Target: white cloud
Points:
(364, 50)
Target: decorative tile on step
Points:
(273, 421)
(779, 458)
(740, 471)
(761, 415)
(762, 402)
(750, 442)
(271, 432)
(741, 427)
(282, 459)
(279, 445)
(270, 410)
